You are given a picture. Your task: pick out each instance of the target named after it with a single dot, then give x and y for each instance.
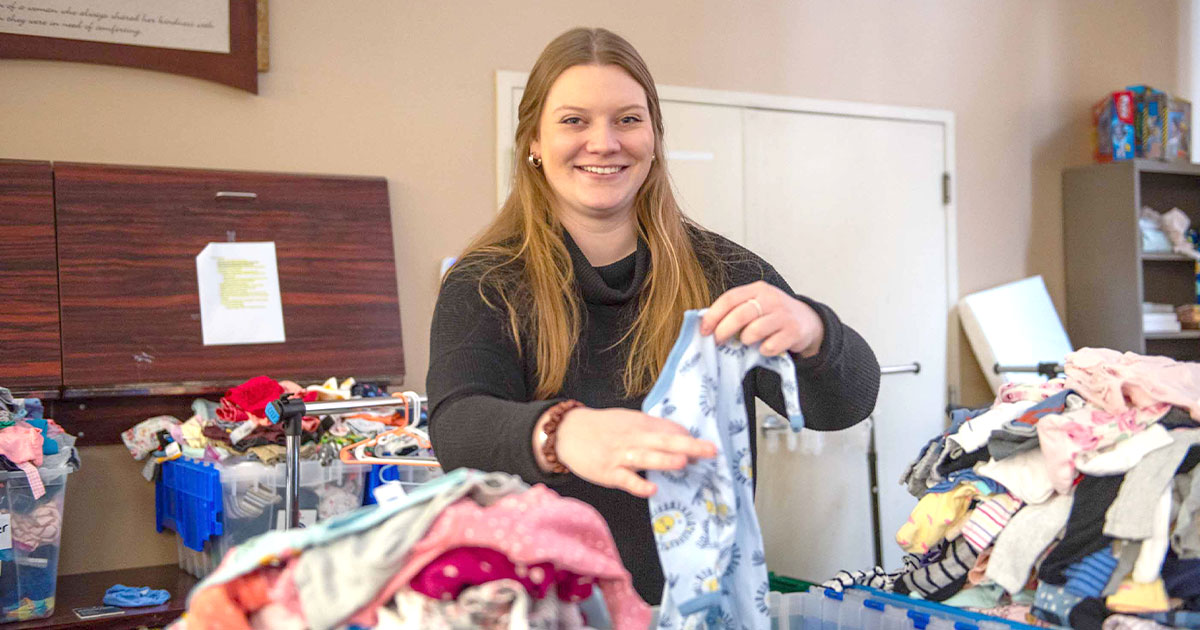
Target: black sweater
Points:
(482, 411)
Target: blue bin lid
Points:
(187, 499)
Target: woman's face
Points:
(596, 141)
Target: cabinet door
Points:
(128, 240)
(29, 344)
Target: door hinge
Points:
(945, 189)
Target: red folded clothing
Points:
(231, 412)
(255, 394)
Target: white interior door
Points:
(704, 157)
(850, 211)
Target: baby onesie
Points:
(703, 516)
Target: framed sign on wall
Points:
(216, 40)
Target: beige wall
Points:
(405, 90)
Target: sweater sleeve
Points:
(838, 385)
(481, 410)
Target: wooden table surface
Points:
(87, 589)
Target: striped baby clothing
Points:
(988, 518)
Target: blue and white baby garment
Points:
(709, 541)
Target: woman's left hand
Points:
(762, 312)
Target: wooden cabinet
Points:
(1108, 275)
(29, 342)
(128, 239)
(107, 255)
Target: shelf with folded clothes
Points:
(1164, 336)
(1127, 232)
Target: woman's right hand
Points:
(608, 446)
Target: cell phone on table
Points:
(95, 612)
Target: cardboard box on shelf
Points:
(1150, 121)
(1177, 132)
(1113, 134)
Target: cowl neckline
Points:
(613, 284)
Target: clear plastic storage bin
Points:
(215, 507)
(868, 609)
(30, 535)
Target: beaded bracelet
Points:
(549, 434)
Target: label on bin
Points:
(308, 518)
(5, 532)
(388, 492)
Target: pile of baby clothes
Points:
(469, 550)
(238, 426)
(35, 454)
(1071, 502)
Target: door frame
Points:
(508, 82)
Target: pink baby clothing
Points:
(231, 605)
(1116, 382)
(142, 438)
(529, 528)
(40, 527)
(455, 570)
(978, 573)
(282, 611)
(1036, 392)
(1063, 436)
(1123, 456)
(22, 445)
(230, 412)
(496, 605)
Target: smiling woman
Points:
(595, 144)
(558, 319)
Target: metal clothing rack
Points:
(290, 411)
(1049, 369)
(775, 423)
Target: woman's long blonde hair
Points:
(521, 258)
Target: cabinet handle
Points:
(224, 194)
